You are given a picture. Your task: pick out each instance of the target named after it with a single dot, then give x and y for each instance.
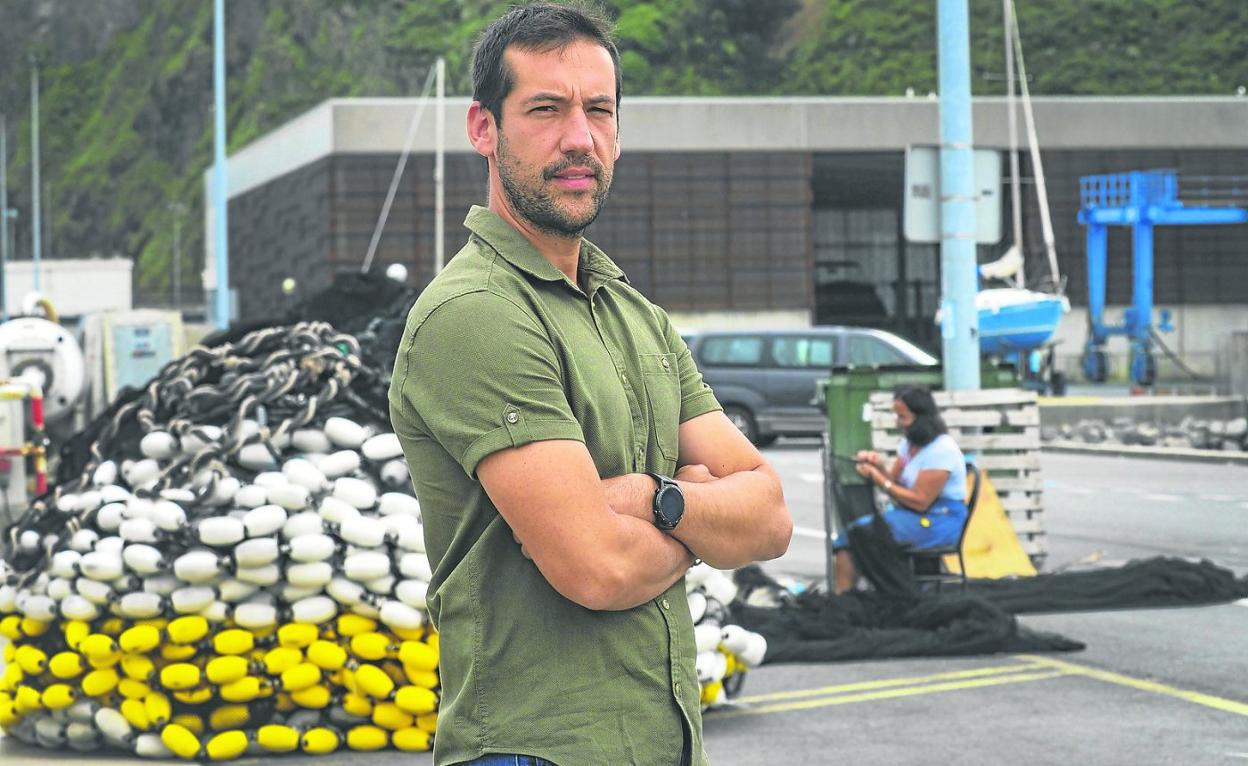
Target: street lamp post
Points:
(178, 209)
(5, 214)
(35, 217)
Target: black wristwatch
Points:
(669, 502)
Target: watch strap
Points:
(661, 520)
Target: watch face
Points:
(671, 504)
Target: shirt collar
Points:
(519, 252)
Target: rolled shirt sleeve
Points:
(483, 376)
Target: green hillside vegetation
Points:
(127, 84)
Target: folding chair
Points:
(927, 564)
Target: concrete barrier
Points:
(1159, 411)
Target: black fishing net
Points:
(865, 625)
(370, 307)
(1143, 584)
(895, 619)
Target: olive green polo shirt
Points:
(502, 350)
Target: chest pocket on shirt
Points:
(663, 394)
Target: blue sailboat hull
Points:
(1020, 326)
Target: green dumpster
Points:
(846, 393)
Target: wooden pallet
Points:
(1002, 426)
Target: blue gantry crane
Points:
(1142, 200)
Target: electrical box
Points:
(139, 352)
(128, 349)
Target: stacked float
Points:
(725, 651)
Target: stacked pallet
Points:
(1000, 428)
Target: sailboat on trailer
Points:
(1015, 319)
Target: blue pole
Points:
(958, 279)
(1097, 263)
(220, 182)
(1141, 327)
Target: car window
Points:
(798, 352)
(738, 350)
(866, 350)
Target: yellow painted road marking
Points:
(1199, 698)
(859, 686)
(883, 694)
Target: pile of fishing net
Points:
(237, 567)
(232, 562)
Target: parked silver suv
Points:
(765, 379)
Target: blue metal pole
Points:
(958, 279)
(1141, 325)
(1097, 263)
(220, 202)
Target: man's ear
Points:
(482, 129)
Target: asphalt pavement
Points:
(1153, 686)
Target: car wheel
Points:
(743, 420)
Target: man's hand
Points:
(523, 550)
(596, 558)
(633, 493)
(696, 473)
(734, 504)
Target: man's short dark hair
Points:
(539, 27)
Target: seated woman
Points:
(926, 483)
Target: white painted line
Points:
(1219, 498)
(1162, 498)
(1078, 490)
(813, 478)
(1242, 602)
(818, 534)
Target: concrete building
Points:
(760, 211)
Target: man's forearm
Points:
(646, 565)
(736, 520)
(728, 522)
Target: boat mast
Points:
(1016, 202)
(1033, 145)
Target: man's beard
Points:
(531, 198)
